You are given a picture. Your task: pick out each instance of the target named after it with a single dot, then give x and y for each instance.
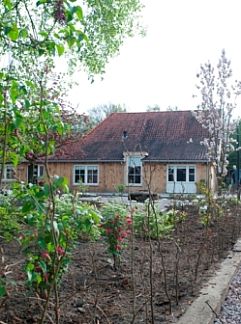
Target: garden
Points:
(66, 261)
(118, 263)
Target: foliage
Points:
(233, 156)
(10, 220)
(89, 34)
(120, 188)
(115, 228)
(34, 120)
(155, 107)
(48, 253)
(85, 218)
(209, 207)
(217, 102)
(155, 224)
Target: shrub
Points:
(153, 224)
(115, 228)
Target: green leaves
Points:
(12, 32)
(8, 4)
(40, 2)
(72, 11)
(60, 49)
(3, 290)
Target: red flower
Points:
(45, 255)
(118, 247)
(128, 220)
(60, 250)
(124, 234)
(108, 230)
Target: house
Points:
(161, 151)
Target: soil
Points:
(94, 292)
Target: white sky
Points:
(161, 68)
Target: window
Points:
(170, 174)
(181, 174)
(79, 175)
(8, 173)
(85, 174)
(134, 170)
(35, 171)
(92, 174)
(191, 174)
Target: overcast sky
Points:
(161, 68)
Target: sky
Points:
(161, 68)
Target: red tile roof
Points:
(165, 136)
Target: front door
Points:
(181, 179)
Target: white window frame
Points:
(37, 175)
(5, 172)
(85, 168)
(39, 167)
(182, 166)
(134, 156)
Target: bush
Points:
(115, 229)
(153, 224)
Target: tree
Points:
(33, 34)
(217, 95)
(34, 117)
(99, 113)
(155, 107)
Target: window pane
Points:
(131, 179)
(138, 179)
(95, 176)
(9, 172)
(170, 174)
(41, 171)
(79, 176)
(134, 161)
(134, 175)
(181, 174)
(35, 171)
(92, 175)
(131, 171)
(191, 174)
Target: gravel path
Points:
(231, 308)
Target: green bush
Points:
(153, 224)
(9, 217)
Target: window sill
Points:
(86, 184)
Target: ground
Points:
(93, 292)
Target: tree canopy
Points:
(99, 113)
(217, 96)
(33, 34)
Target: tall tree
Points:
(217, 96)
(33, 34)
(32, 114)
(99, 113)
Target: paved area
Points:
(203, 309)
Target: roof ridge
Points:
(151, 112)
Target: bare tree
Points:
(99, 113)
